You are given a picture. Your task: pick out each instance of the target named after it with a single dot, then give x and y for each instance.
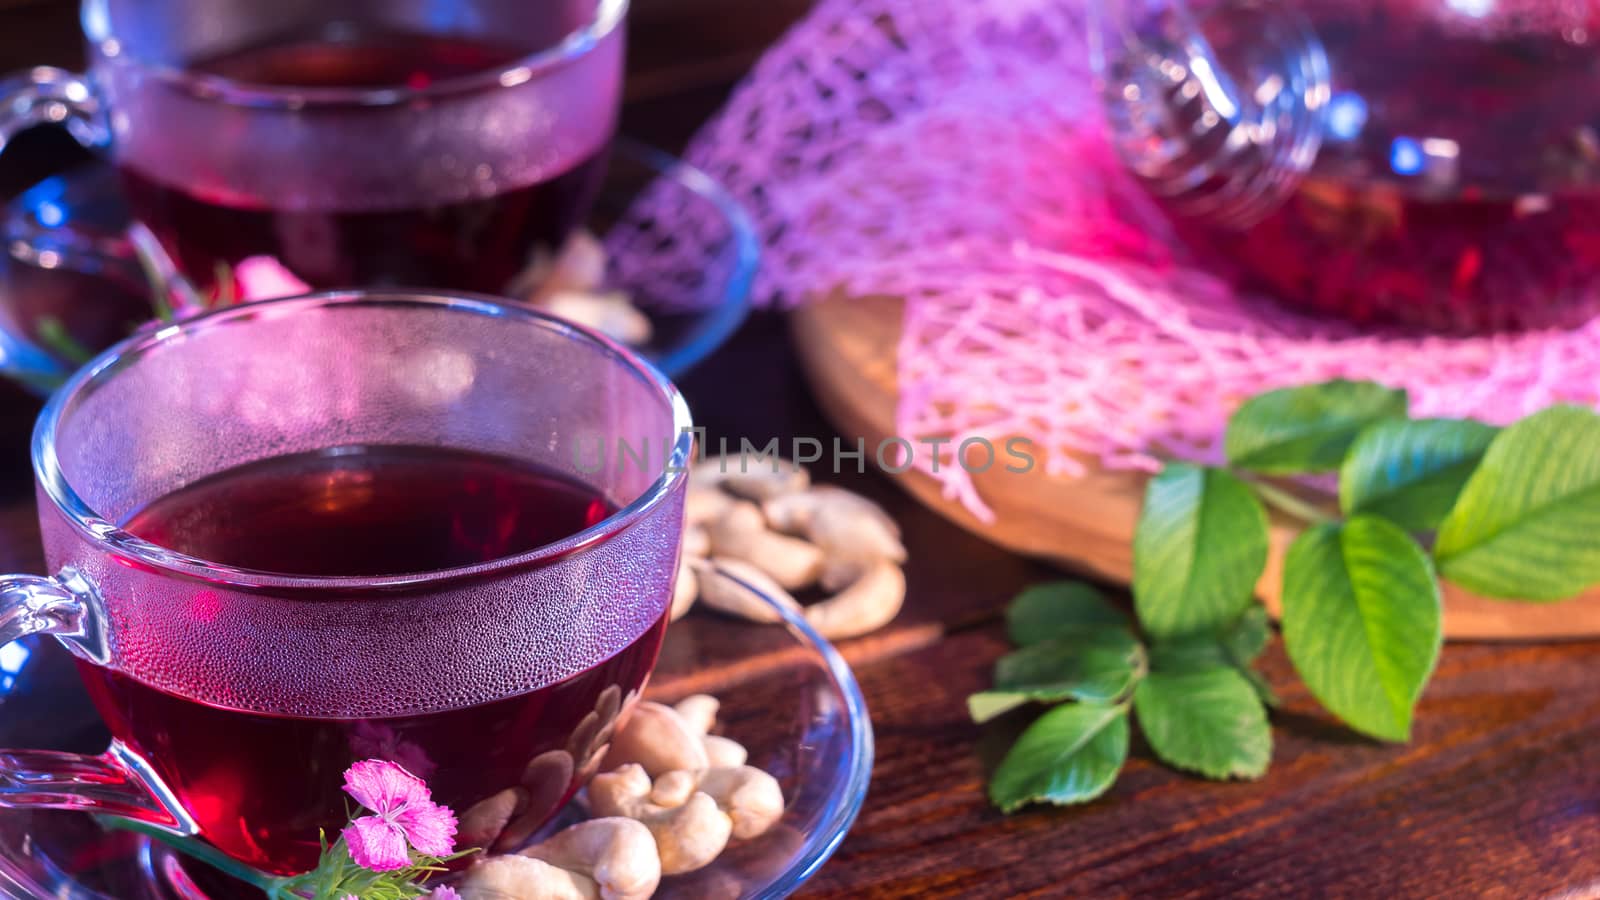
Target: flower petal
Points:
(263, 277)
(376, 844)
(384, 787)
(431, 828)
(444, 893)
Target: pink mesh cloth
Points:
(950, 152)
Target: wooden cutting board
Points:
(848, 348)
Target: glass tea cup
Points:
(360, 143)
(236, 696)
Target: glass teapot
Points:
(1432, 163)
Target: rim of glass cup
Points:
(102, 532)
(95, 21)
(844, 805)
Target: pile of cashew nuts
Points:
(670, 799)
(759, 522)
(671, 795)
(571, 284)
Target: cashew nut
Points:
(734, 532)
(722, 590)
(521, 878)
(754, 477)
(611, 313)
(841, 523)
(741, 533)
(657, 739)
(568, 285)
(696, 541)
(799, 535)
(699, 713)
(866, 605)
(579, 266)
(750, 797)
(723, 752)
(687, 836)
(618, 854)
(703, 504)
(685, 589)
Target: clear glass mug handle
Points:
(49, 96)
(117, 782)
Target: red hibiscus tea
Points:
(1455, 186)
(456, 218)
(261, 784)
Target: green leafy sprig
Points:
(336, 876)
(1507, 513)
(164, 284)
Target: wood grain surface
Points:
(1497, 796)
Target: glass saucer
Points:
(63, 256)
(786, 695)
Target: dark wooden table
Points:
(1498, 795)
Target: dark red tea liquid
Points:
(476, 244)
(1457, 187)
(261, 785)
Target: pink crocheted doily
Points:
(950, 152)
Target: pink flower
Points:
(444, 893)
(405, 814)
(263, 277)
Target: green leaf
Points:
(1095, 665)
(1248, 635)
(1052, 610)
(1186, 656)
(1361, 621)
(1410, 472)
(1236, 645)
(1258, 683)
(1527, 525)
(55, 338)
(1307, 429)
(1209, 721)
(1199, 548)
(986, 705)
(1072, 754)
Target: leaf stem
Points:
(1287, 503)
(202, 851)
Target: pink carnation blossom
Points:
(405, 815)
(443, 893)
(263, 278)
